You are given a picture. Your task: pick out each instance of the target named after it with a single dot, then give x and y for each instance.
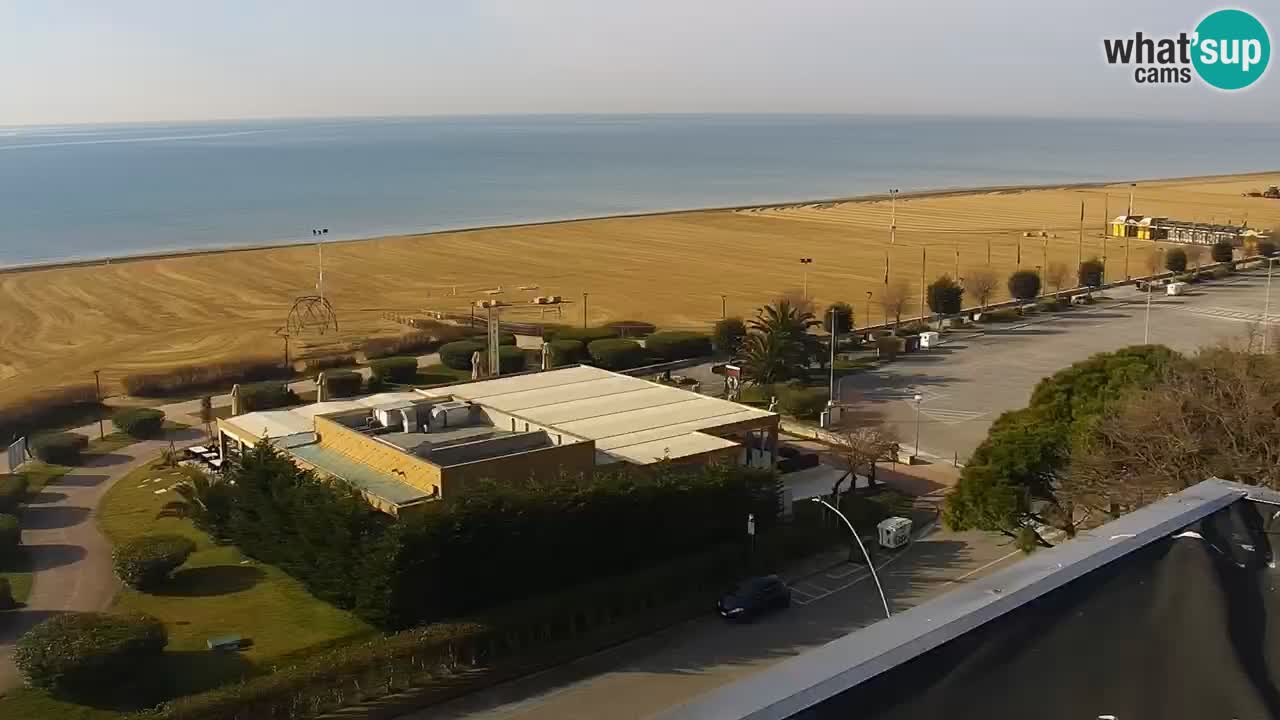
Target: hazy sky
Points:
(64, 61)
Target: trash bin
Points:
(894, 532)
(929, 339)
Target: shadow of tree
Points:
(45, 557)
(173, 674)
(211, 581)
(40, 517)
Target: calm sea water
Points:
(85, 192)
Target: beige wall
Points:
(544, 464)
(379, 456)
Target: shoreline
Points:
(866, 198)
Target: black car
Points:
(754, 596)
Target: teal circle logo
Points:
(1231, 49)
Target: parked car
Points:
(753, 597)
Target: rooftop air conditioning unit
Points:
(455, 413)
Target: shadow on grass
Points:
(107, 459)
(174, 674)
(211, 581)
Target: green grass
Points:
(217, 592)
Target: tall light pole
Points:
(870, 565)
(584, 310)
(924, 260)
(831, 392)
(868, 308)
(97, 387)
(1266, 309)
(893, 230)
(918, 397)
(1146, 325)
(806, 262)
(723, 307)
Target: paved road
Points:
(651, 674)
(967, 383)
(71, 558)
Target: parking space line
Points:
(848, 570)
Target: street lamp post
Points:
(868, 308)
(831, 391)
(723, 307)
(870, 565)
(918, 397)
(584, 310)
(806, 262)
(97, 387)
(1146, 325)
(1266, 308)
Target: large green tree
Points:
(779, 346)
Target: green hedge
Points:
(328, 362)
(510, 360)
(146, 562)
(1003, 315)
(58, 448)
(342, 383)
(630, 328)
(617, 354)
(204, 376)
(267, 396)
(678, 344)
(6, 595)
(13, 491)
(85, 653)
(457, 355)
(566, 352)
(584, 335)
(401, 370)
(139, 422)
(10, 537)
(801, 402)
(61, 407)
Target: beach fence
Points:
(15, 454)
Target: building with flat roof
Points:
(403, 449)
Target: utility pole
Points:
(97, 386)
(893, 230)
(1080, 246)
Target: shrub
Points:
(1091, 272)
(71, 405)
(204, 376)
(630, 328)
(888, 346)
(1223, 252)
(139, 422)
(1051, 304)
(510, 360)
(1219, 273)
(1024, 284)
(457, 354)
(13, 490)
(10, 537)
(342, 383)
(585, 335)
(566, 352)
(506, 338)
(678, 345)
(58, 448)
(913, 329)
(843, 315)
(325, 362)
(802, 402)
(727, 336)
(266, 396)
(400, 370)
(1265, 248)
(617, 354)
(1003, 315)
(945, 296)
(79, 653)
(1175, 260)
(145, 563)
(6, 595)
(413, 343)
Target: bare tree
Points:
(1155, 261)
(867, 446)
(981, 283)
(798, 301)
(1195, 255)
(894, 299)
(1056, 274)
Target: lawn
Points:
(217, 592)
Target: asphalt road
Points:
(649, 675)
(969, 382)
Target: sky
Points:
(87, 61)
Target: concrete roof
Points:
(290, 421)
(629, 418)
(359, 475)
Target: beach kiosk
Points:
(894, 532)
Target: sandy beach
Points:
(58, 324)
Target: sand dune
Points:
(58, 325)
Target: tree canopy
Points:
(1024, 284)
(779, 345)
(1091, 272)
(945, 296)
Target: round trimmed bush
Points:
(510, 360)
(585, 335)
(1175, 260)
(1223, 251)
(401, 370)
(10, 536)
(145, 563)
(58, 448)
(80, 653)
(6, 595)
(139, 422)
(617, 354)
(1024, 284)
(566, 352)
(342, 383)
(678, 344)
(728, 334)
(13, 490)
(457, 354)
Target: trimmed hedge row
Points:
(457, 354)
(566, 352)
(325, 362)
(399, 370)
(13, 491)
(139, 422)
(58, 448)
(10, 537)
(631, 328)
(678, 344)
(342, 383)
(510, 359)
(79, 653)
(204, 376)
(69, 405)
(267, 396)
(617, 354)
(146, 562)
(584, 335)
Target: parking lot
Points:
(968, 382)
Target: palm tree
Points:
(780, 345)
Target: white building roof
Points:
(629, 418)
(281, 423)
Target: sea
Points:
(84, 192)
